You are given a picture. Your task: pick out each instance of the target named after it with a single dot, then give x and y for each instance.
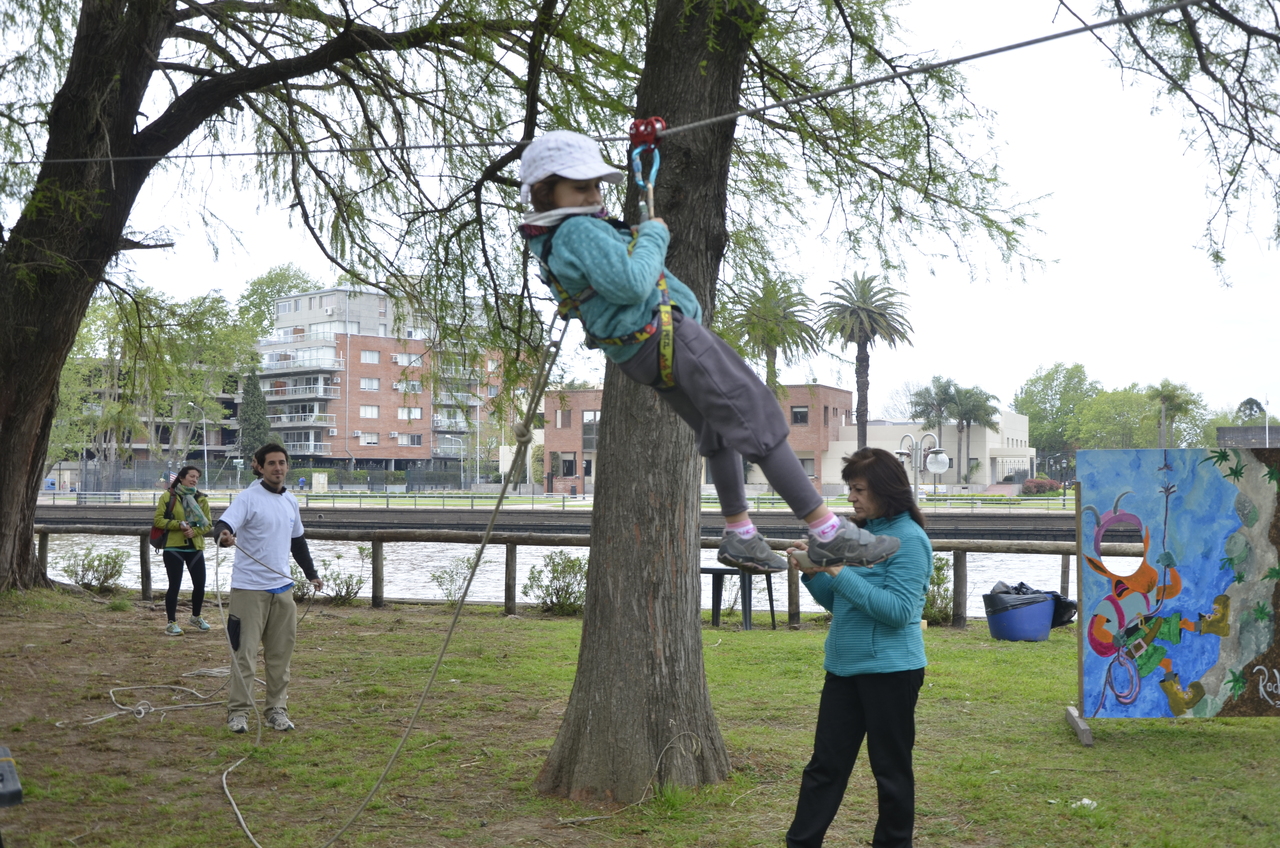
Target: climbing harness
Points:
(645, 136)
(569, 306)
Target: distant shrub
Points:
(560, 585)
(451, 578)
(1040, 487)
(97, 572)
(938, 600)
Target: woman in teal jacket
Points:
(188, 522)
(874, 659)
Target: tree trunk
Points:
(640, 711)
(55, 254)
(862, 382)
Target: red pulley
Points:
(644, 131)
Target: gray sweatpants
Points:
(732, 411)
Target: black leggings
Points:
(173, 563)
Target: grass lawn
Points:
(996, 764)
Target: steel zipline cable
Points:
(669, 131)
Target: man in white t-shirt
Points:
(264, 524)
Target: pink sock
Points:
(746, 529)
(825, 528)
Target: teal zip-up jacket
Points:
(588, 251)
(875, 625)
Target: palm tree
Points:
(767, 319)
(1175, 399)
(971, 408)
(859, 312)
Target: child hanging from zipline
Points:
(615, 282)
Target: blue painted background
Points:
(1201, 515)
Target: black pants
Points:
(174, 561)
(881, 708)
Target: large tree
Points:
(861, 312)
(1049, 398)
(97, 94)
(640, 685)
(1123, 418)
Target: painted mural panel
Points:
(1190, 629)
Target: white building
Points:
(996, 454)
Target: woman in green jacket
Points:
(188, 523)
(874, 659)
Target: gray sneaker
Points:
(753, 555)
(238, 723)
(199, 623)
(279, 720)
(852, 546)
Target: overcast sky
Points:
(1125, 288)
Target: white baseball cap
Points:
(565, 154)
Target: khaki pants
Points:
(272, 620)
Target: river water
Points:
(408, 568)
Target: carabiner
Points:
(644, 136)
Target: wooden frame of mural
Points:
(1191, 631)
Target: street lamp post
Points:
(204, 435)
(919, 456)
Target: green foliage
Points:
(1175, 403)
(972, 407)
(97, 572)
(932, 404)
(256, 308)
(763, 314)
(938, 599)
(302, 587)
(119, 605)
(559, 585)
(451, 578)
(1049, 399)
(255, 430)
(1120, 419)
(1040, 487)
(146, 363)
(343, 588)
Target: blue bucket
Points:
(1028, 622)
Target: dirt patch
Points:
(94, 775)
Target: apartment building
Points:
(344, 386)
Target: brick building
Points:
(815, 413)
(572, 422)
(823, 432)
(344, 388)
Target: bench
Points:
(717, 593)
